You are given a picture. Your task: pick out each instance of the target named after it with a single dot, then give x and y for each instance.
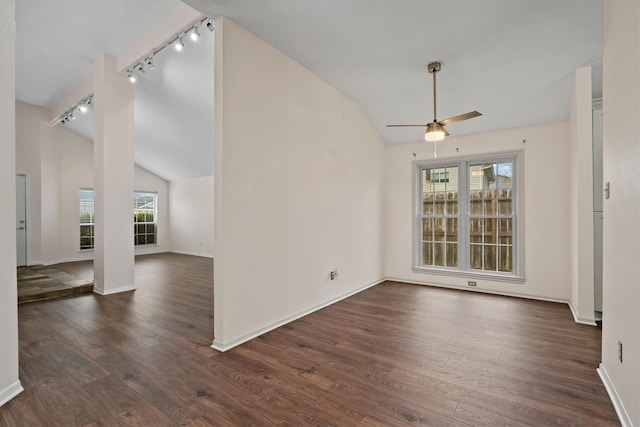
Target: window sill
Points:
(80, 251)
(471, 274)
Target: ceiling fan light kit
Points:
(435, 130)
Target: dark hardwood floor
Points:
(395, 354)
(81, 269)
(39, 282)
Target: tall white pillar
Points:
(113, 149)
(9, 383)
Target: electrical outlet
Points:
(334, 274)
(471, 283)
(620, 351)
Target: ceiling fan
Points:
(435, 130)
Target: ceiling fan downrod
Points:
(433, 68)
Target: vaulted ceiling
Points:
(57, 42)
(512, 60)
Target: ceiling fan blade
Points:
(404, 126)
(445, 132)
(461, 117)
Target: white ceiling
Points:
(512, 60)
(174, 112)
(57, 41)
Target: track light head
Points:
(195, 34)
(82, 106)
(145, 63)
(179, 45)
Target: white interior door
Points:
(21, 219)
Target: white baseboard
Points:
(191, 253)
(581, 320)
(623, 416)
(113, 291)
(482, 291)
(224, 346)
(10, 392)
(221, 347)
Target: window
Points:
(467, 218)
(144, 218)
(87, 211)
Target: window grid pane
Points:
(144, 218)
(87, 215)
(491, 217)
(439, 217)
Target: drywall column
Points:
(582, 259)
(9, 382)
(114, 166)
(621, 228)
(273, 267)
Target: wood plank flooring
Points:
(39, 282)
(393, 355)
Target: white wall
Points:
(59, 163)
(582, 254)
(28, 140)
(9, 383)
(76, 172)
(191, 216)
(546, 208)
(298, 189)
(621, 227)
(50, 194)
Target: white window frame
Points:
(92, 224)
(155, 219)
(463, 269)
